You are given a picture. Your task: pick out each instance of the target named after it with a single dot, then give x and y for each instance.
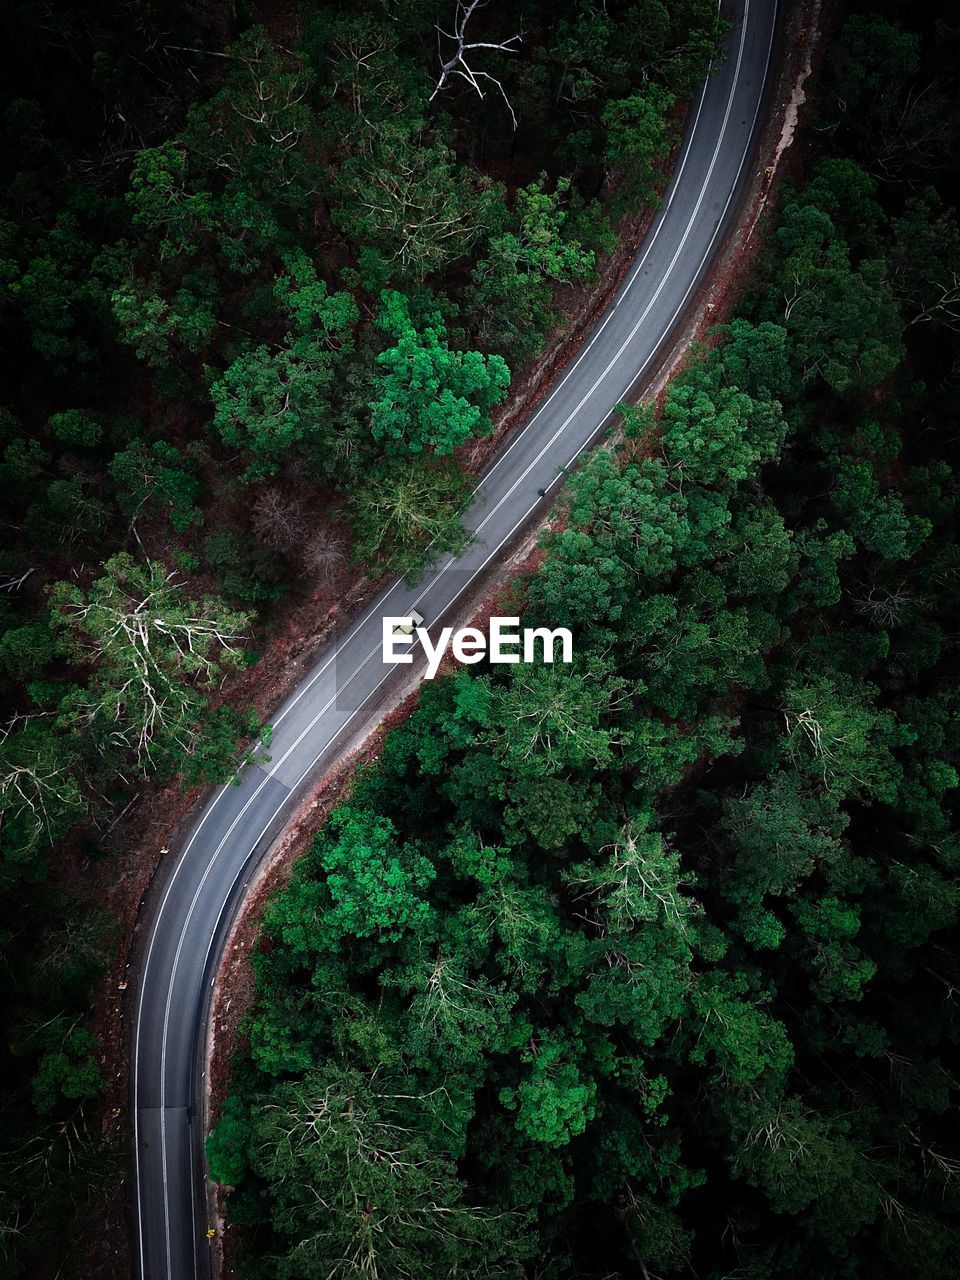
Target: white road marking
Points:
(365, 620)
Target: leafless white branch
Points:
(14, 584)
(457, 64)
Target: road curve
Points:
(196, 896)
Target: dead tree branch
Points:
(457, 64)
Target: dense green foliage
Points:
(649, 967)
(255, 290)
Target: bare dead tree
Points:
(886, 608)
(911, 134)
(324, 558)
(279, 520)
(16, 582)
(944, 302)
(457, 64)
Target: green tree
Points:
(155, 477)
(836, 732)
(638, 142)
(156, 327)
(405, 510)
(404, 193)
(516, 278)
(841, 318)
(376, 883)
(154, 651)
(228, 1142)
(161, 202)
(719, 435)
(455, 1015)
(257, 133)
(273, 403)
(800, 1158)
(926, 253)
(68, 1069)
(381, 1197)
(557, 1099)
(312, 308)
(40, 791)
(428, 396)
(641, 880)
(745, 1045)
(73, 427)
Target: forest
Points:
(648, 968)
(263, 279)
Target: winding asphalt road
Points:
(197, 892)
